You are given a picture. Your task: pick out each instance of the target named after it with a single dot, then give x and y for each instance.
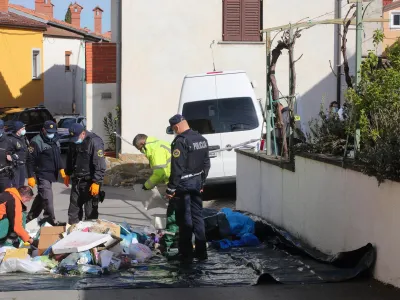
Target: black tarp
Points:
(281, 258)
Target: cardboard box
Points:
(102, 226)
(49, 236)
(16, 253)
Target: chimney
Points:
(44, 7)
(3, 5)
(98, 16)
(75, 14)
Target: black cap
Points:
(50, 127)
(75, 131)
(176, 119)
(18, 125)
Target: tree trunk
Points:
(276, 53)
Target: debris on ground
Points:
(242, 247)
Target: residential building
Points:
(160, 46)
(21, 52)
(64, 54)
(391, 29)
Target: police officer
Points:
(5, 159)
(19, 145)
(44, 161)
(189, 169)
(85, 167)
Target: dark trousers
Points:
(19, 176)
(190, 220)
(80, 200)
(5, 182)
(43, 201)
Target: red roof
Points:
(10, 19)
(53, 20)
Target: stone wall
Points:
(127, 170)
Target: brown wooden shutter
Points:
(251, 20)
(231, 20)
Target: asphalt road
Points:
(121, 205)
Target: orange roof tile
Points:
(10, 19)
(53, 20)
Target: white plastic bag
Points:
(150, 199)
(140, 252)
(22, 265)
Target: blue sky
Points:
(60, 8)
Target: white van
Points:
(222, 106)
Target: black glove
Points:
(144, 187)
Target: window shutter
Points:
(251, 20)
(231, 19)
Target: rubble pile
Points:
(88, 248)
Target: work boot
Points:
(185, 259)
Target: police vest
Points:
(197, 147)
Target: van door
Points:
(200, 108)
(239, 118)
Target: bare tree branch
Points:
(330, 64)
(298, 59)
(346, 24)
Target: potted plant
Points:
(111, 125)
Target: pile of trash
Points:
(87, 248)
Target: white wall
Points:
(97, 108)
(332, 208)
(316, 82)
(160, 46)
(60, 87)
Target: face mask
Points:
(79, 141)
(1, 134)
(335, 109)
(23, 132)
(50, 135)
(143, 150)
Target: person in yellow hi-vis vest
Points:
(158, 153)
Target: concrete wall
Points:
(160, 46)
(62, 88)
(332, 208)
(97, 107)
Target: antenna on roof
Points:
(212, 53)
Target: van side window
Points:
(222, 115)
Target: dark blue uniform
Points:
(19, 146)
(5, 149)
(86, 165)
(189, 169)
(45, 162)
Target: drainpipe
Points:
(338, 53)
(119, 70)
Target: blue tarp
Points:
(239, 223)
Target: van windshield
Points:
(221, 115)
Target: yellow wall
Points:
(391, 35)
(17, 88)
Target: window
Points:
(66, 123)
(24, 118)
(36, 66)
(395, 20)
(36, 118)
(242, 20)
(222, 115)
(67, 61)
(45, 115)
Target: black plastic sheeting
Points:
(281, 258)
